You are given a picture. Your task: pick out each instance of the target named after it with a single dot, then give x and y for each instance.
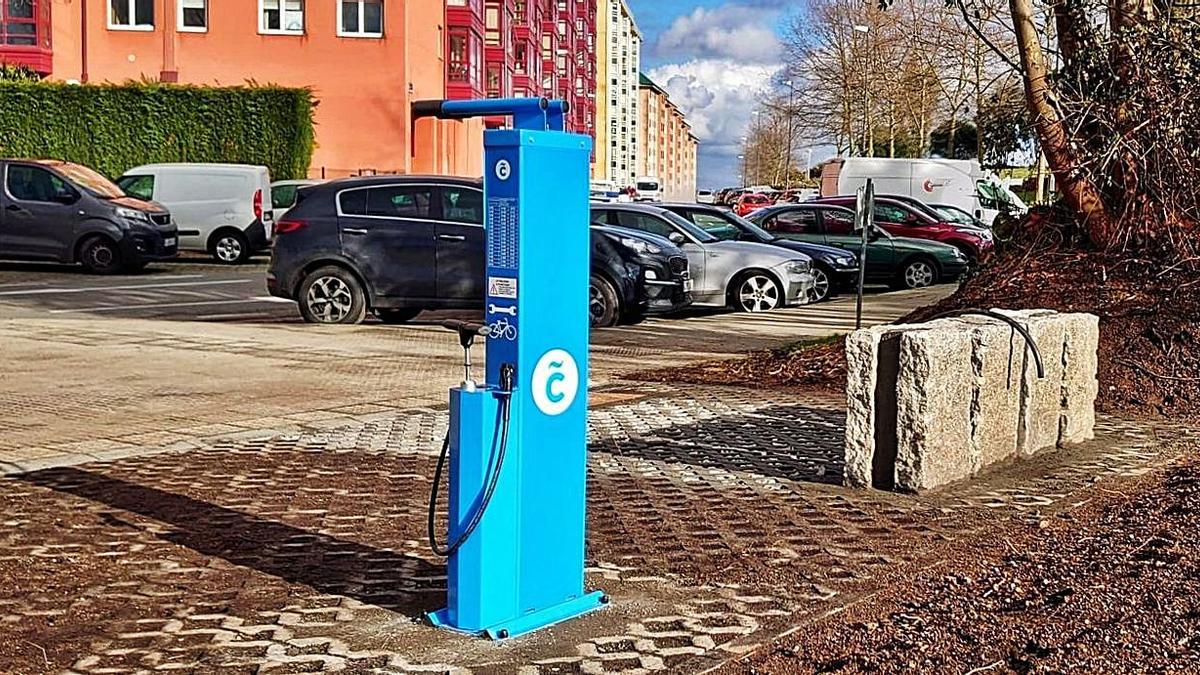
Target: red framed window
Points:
(19, 22)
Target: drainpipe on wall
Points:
(170, 71)
(83, 41)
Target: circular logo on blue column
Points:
(503, 169)
(555, 382)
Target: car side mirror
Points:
(676, 238)
(873, 234)
(66, 198)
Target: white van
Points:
(958, 182)
(223, 209)
(649, 189)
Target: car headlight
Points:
(844, 261)
(132, 214)
(798, 267)
(639, 246)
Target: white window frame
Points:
(262, 24)
(361, 21)
(130, 5)
(191, 29)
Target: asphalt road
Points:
(188, 289)
(193, 288)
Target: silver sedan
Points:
(743, 275)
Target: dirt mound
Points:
(1149, 330)
(1110, 587)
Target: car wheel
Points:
(822, 284)
(917, 273)
(99, 255)
(756, 292)
(230, 247)
(397, 316)
(603, 305)
(332, 295)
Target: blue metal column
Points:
(522, 569)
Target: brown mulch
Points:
(1113, 586)
(1149, 361)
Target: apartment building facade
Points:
(518, 48)
(667, 146)
(618, 64)
(365, 60)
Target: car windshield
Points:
(698, 233)
(89, 180)
(955, 215)
(723, 223)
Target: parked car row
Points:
(746, 200)
(397, 245)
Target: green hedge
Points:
(113, 128)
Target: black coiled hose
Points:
(499, 436)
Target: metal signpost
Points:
(865, 214)
(517, 444)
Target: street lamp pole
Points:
(868, 145)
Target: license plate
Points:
(688, 285)
(169, 241)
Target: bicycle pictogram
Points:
(502, 330)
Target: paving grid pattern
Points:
(713, 518)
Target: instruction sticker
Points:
(502, 287)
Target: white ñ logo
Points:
(503, 169)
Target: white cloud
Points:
(717, 96)
(734, 31)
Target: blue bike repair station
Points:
(517, 444)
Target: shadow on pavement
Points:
(791, 442)
(397, 582)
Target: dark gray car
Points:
(67, 213)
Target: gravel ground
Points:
(1111, 585)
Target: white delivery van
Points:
(958, 182)
(649, 189)
(222, 209)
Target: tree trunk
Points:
(891, 130)
(951, 134)
(1081, 193)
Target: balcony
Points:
(25, 35)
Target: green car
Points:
(899, 262)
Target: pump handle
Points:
(467, 331)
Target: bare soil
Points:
(1149, 360)
(1112, 586)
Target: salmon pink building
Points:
(365, 60)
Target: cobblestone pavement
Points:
(715, 518)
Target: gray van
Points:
(63, 212)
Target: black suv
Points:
(63, 212)
(397, 245)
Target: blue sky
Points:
(714, 57)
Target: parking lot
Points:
(190, 349)
(198, 480)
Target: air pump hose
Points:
(1029, 341)
(499, 437)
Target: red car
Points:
(907, 220)
(749, 203)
